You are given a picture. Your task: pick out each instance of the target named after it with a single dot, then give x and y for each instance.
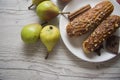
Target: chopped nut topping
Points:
(102, 12)
(100, 41)
(107, 24)
(92, 49)
(95, 45)
(95, 40)
(116, 25)
(86, 41)
(109, 32)
(86, 29)
(104, 35)
(73, 32)
(80, 33)
(99, 18)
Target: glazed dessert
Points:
(101, 33)
(90, 19)
(112, 44)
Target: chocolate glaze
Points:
(112, 44)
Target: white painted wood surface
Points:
(26, 62)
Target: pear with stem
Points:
(47, 10)
(49, 36)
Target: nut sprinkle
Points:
(101, 33)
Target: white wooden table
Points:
(26, 62)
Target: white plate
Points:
(74, 44)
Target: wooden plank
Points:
(26, 62)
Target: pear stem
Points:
(44, 23)
(30, 6)
(47, 55)
(64, 12)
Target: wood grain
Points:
(26, 62)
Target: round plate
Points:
(75, 44)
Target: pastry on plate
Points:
(101, 33)
(90, 19)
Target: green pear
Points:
(31, 33)
(36, 2)
(49, 36)
(47, 10)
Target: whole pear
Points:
(31, 33)
(49, 36)
(36, 2)
(47, 10)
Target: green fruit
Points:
(47, 10)
(31, 32)
(49, 36)
(36, 2)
